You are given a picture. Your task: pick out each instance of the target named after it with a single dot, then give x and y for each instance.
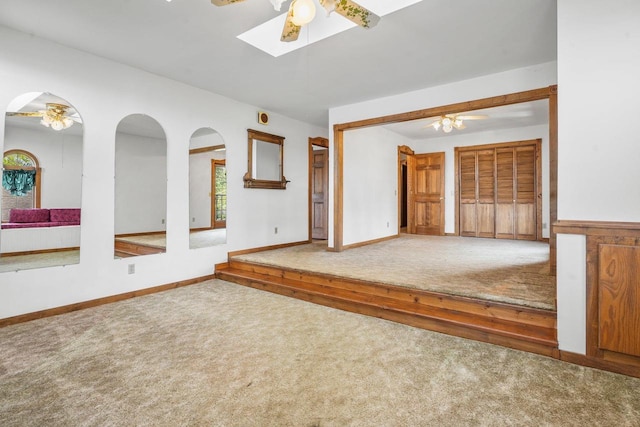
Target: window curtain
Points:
(18, 182)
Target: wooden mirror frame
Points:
(249, 180)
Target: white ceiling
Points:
(430, 43)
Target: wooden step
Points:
(508, 325)
(124, 249)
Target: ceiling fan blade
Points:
(352, 11)
(26, 114)
(291, 31)
(428, 125)
(477, 117)
(224, 2)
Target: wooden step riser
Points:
(544, 335)
(530, 316)
(470, 331)
(135, 249)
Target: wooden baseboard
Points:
(267, 248)
(605, 365)
(370, 242)
(40, 251)
(100, 301)
(146, 233)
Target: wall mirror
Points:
(265, 161)
(140, 187)
(41, 183)
(207, 189)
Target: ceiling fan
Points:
(301, 12)
(55, 116)
(450, 121)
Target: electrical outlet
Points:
(275, 230)
(387, 224)
(131, 268)
(163, 220)
(193, 219)
(544, 225)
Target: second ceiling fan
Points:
(301, 12)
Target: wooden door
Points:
(428, 200)
(516, 208)
(319, 194)
(477, 193)
(525, 193)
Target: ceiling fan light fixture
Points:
(303, 11)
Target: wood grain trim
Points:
(456, 178)
(146, 233)
(506, 144)
(319, 141)
(553, 175)
(40, 251)
(478, 104)
(370, 242)
(266, 248)
(597, 363)
(100, 301)
(597, 228)
(206, 149)
(338, 192)
(538, 188)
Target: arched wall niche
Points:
(140, 187)
(207, 189)
(44, 228)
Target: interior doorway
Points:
(218, 193)
(318, 188)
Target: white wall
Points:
(521, 79)
(598, 161)
(104, 92)
(141, 184)
(370, 184)
(447, 144)
(59, 154)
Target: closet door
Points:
(485, 206)
(477, 193)
(505, 194)
(525, 193)
(468, 193)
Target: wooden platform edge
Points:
(21, 318)
(267, 248)
(547, 348)
(597, 363)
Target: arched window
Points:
(20, 182)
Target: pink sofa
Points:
(30, 218)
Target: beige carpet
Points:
(219, 354)
(197, 239)
(49, 259)
(510, 271)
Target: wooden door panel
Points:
(486, 176)
(468, 220)
(486, 220)
(619, 299)
(505, 221)
(525, 221)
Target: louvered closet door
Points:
(525, 200)
(467, 182)
(505, 194)
(485, 207)
(477, 193)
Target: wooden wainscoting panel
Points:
(619, 299)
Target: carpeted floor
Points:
(219, 354)
(510, 271)
(197, 239)
(49, 259)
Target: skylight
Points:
(266, 37)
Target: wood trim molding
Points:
(505, 144)
(597, 363)
(100, 301)
(549, 93)
(206, 149)
(40, 251)
(319, 141)
(266, 248)
(370, 242)
(597, 228)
